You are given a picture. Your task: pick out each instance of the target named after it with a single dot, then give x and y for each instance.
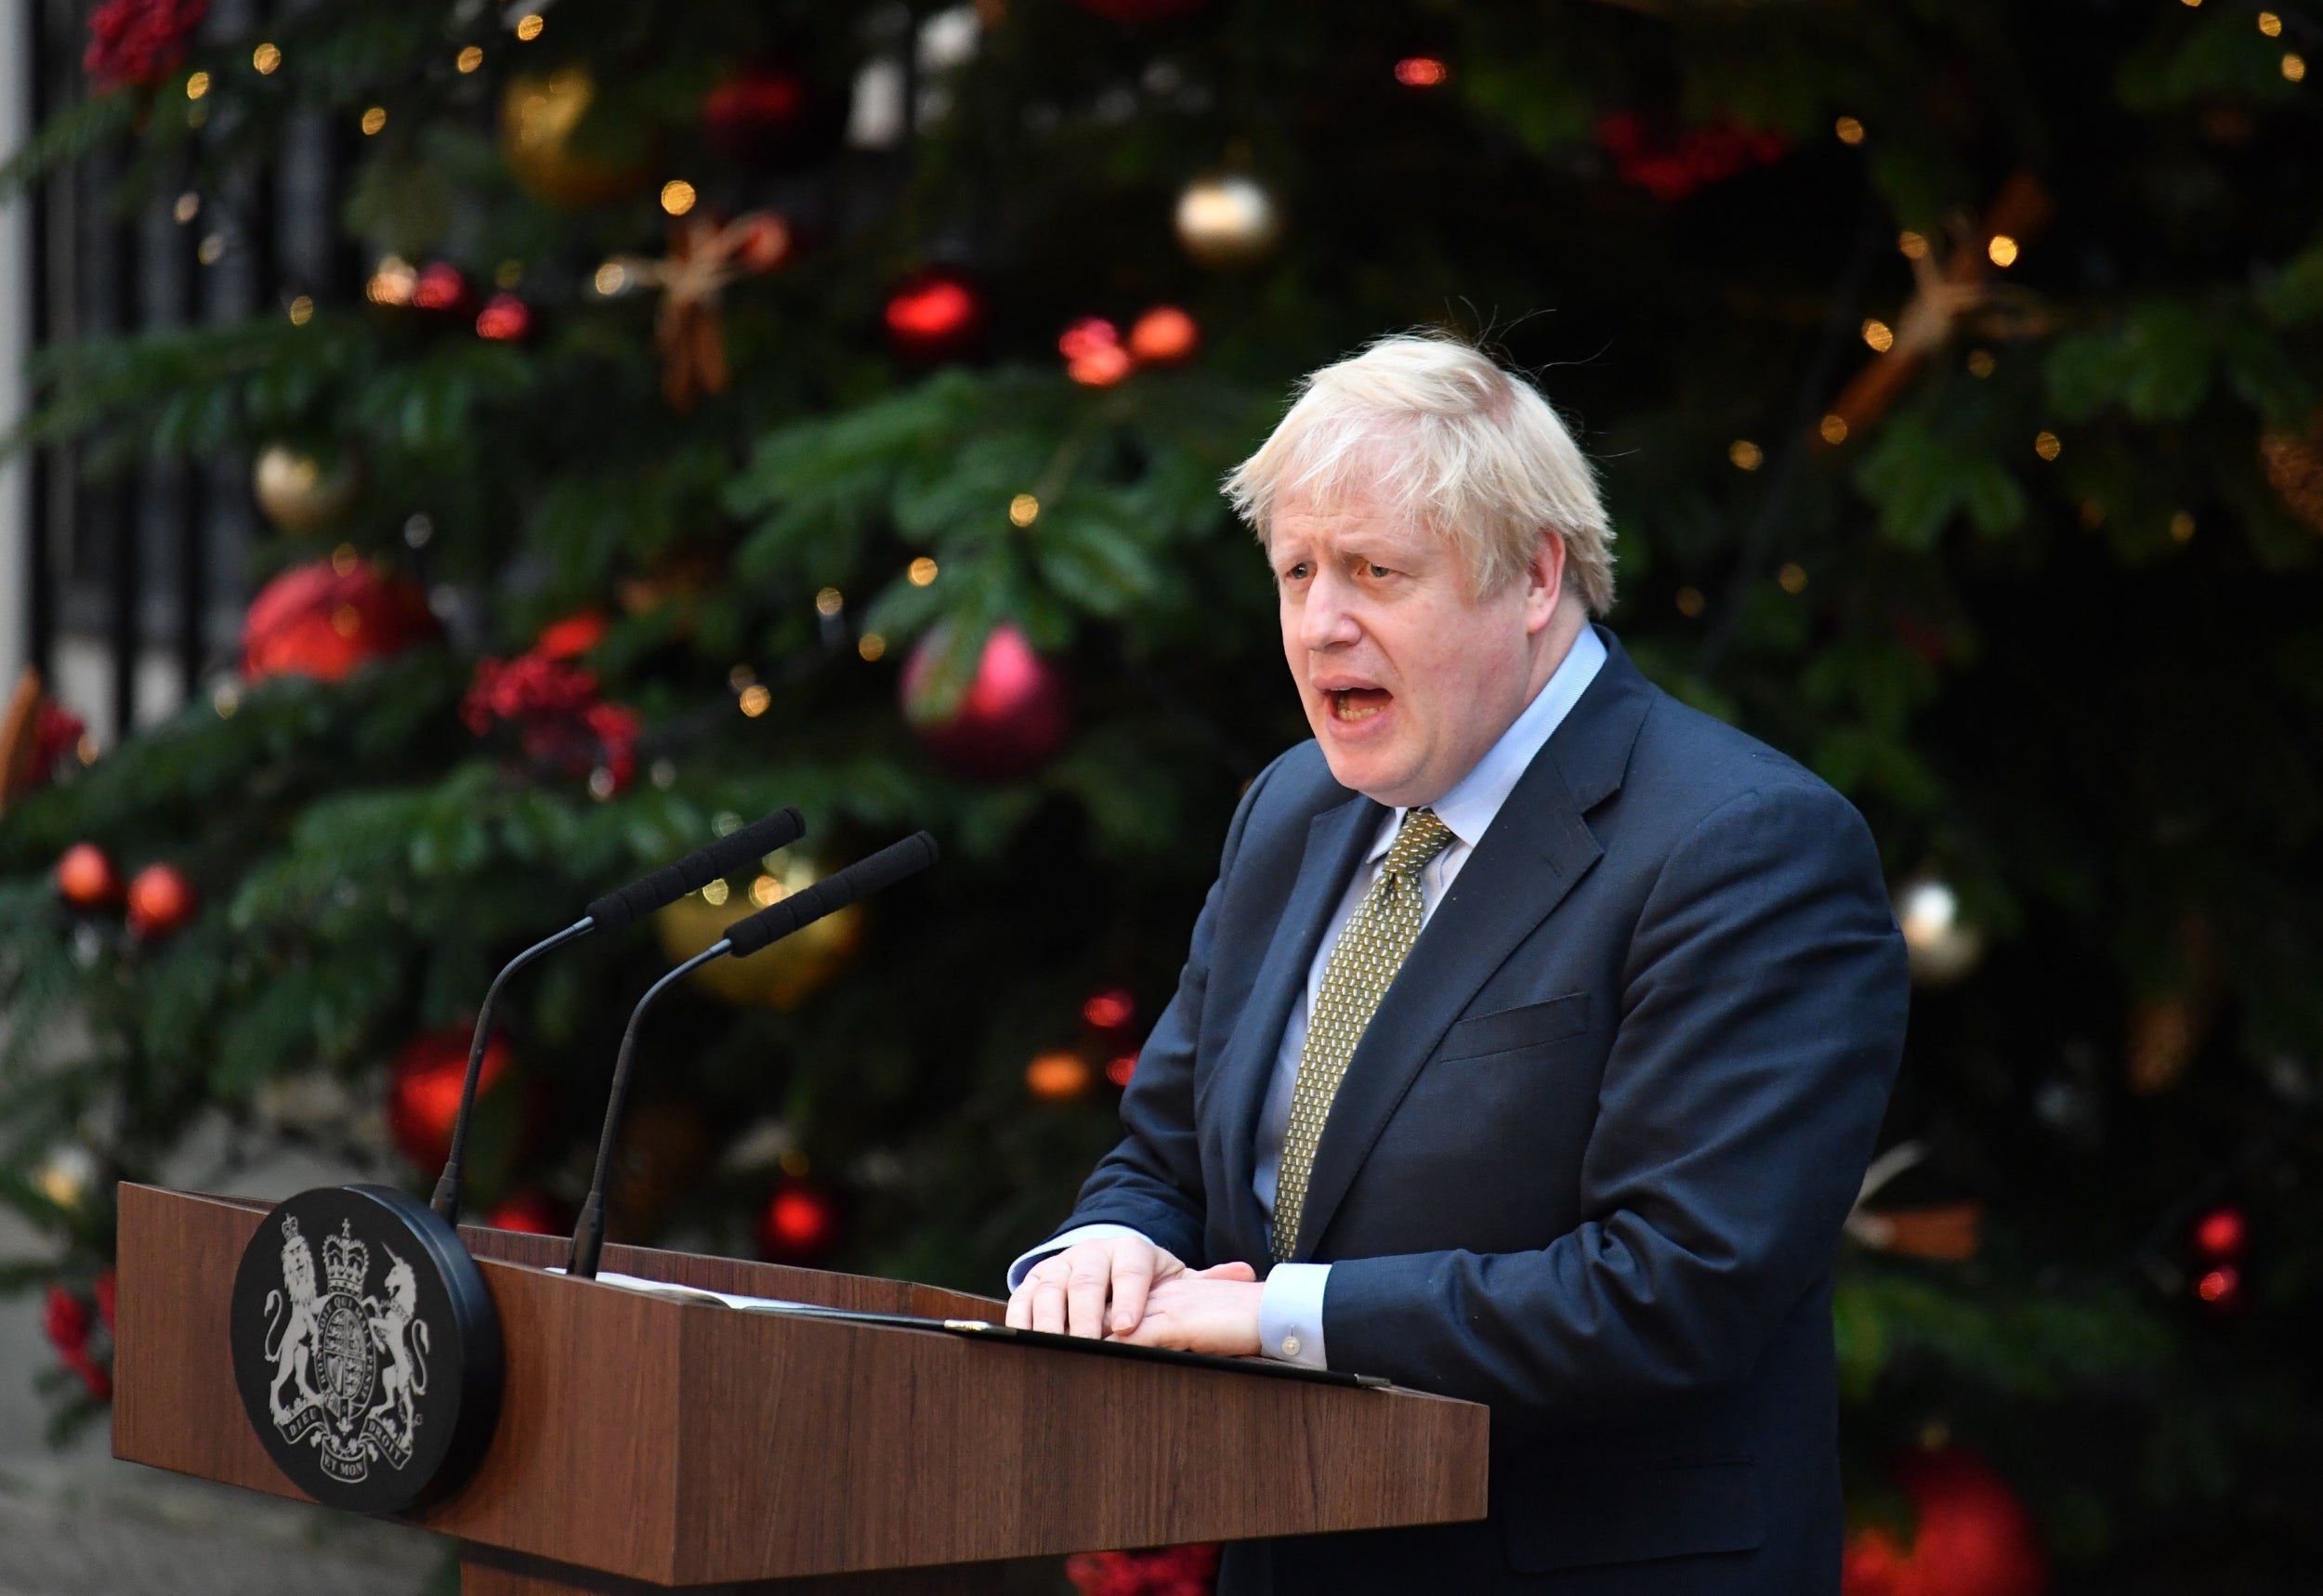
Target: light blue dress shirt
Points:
(1291, 1307)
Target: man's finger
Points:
(1048, 1306)
(1133, 1275)
(1234, 1271)
(1084, 1296)
(1020, 1306)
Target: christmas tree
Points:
(727, 406)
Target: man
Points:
(1531, 1042)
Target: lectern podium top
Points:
(685, 1443)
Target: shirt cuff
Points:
(1056, 1244)
(1291, 1315)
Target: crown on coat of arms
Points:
(345, 1262)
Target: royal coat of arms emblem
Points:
(347, 1364)
(366, 1347)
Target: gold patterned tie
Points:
(1371, 948)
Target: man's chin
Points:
(1379, 774)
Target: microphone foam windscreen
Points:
(722, 858)
(884, 868)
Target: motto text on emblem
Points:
(347, 1365)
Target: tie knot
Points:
(1419, 839)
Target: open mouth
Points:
(1357, 703)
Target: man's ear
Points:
(1545, 582)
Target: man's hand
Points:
(1126, 1288)
(1092, 1288)
(1202, 1310)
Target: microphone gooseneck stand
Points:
(611, 913)
(588, 1238)
(446, 1200)
(884, 868)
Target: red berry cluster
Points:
(552, 701)
(56, 732)
(139, 41)
(1165, 1571)
(1672, 168)
(71, 1324)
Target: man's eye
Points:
(1297, 573)
(1379, 571)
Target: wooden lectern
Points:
(645, 1442)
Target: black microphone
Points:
(884, 868)
(611, 912)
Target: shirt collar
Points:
(1469, 808)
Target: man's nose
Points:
(1327, 618)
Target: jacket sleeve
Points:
(1763, 1003)
(1151, 1181)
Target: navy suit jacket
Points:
(1590, 1161)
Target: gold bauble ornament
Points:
(300, 494)
(1939, 945)
(784, 974)
(538, 118)
(1227, 221)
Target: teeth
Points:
(1345, 708)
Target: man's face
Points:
(1407, 677)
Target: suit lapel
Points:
(1532, 857)
(1336, 840)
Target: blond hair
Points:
(1437, 431)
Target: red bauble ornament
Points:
(439, 287)
(571, 638)
(772, 116)
(505, 320)
(1164, 335)
(1110, 1010)
(139, 41)
(2222, 1233)
(801, 1221)
(424, 1090)
(160, 900)
(1141, 10)
(86, 878)
(326, 618)
(534, 1213)
(1012, 717)
(1975, 1537)
(934, 315)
